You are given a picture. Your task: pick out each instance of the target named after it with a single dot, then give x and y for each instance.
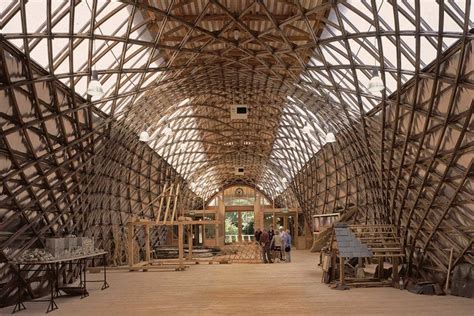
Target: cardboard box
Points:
(70, 243)
(55, 246)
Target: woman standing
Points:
(276, 246)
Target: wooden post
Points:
(168, 201)
(341, 271)
(239, 227)
(175, 203)
(181, 245)
(380, 274)
(333, 258)
(446, 287)
(147, 244)
(190, 241)
(395, 270)
(158, 217)
(130, 232)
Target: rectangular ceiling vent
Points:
(239, 171)
(238, 112)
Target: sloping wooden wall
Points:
(419, 176)
(67, 168)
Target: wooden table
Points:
(52, 268)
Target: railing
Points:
(235, 238)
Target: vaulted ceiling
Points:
(174, 68)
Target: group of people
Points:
(276, 245)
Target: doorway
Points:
(239, 226)
(280, 219)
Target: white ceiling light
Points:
(330, 138)
(167, 131)
(307, 129)
(375, 83)
(236, 34)
(95, 89)
(144, 136)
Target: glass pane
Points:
(291, 227)
(231, 227)
(248, 229)
(210, 230)
(268, 220)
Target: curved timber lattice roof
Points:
(302, 67)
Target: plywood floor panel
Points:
(250, 289)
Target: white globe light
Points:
(330, 138)
(144, 136)
(375, 83)
(95, 89)
(167, 131)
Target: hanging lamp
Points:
(236, 34)
(167, 131)
(375, 83)
(95, 89)
(144, 136)
(330, 138)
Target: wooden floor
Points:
(251, 289)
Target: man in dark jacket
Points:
(257, 235)
(265, 244)
(271, 232)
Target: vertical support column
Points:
(189, 229)
(333, 265)
(181, 245)
(296, 238)
(258, 214)
(380, 275)
(341, 271)
(446, 287)
(130, 233)
(239, 226)
(147, 244)
(220, 217)
(395, 270)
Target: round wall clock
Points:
(239, 192)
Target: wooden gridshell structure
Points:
(173, 68)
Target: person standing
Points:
(257, 235)
(283, 241)
(288, 246)
(271, 232)
(276, 246)
(265, 244)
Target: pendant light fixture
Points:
(167, 131)
(375, 83)
(330, 138)
(95, 89)
(144, 136)
(236, 34)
